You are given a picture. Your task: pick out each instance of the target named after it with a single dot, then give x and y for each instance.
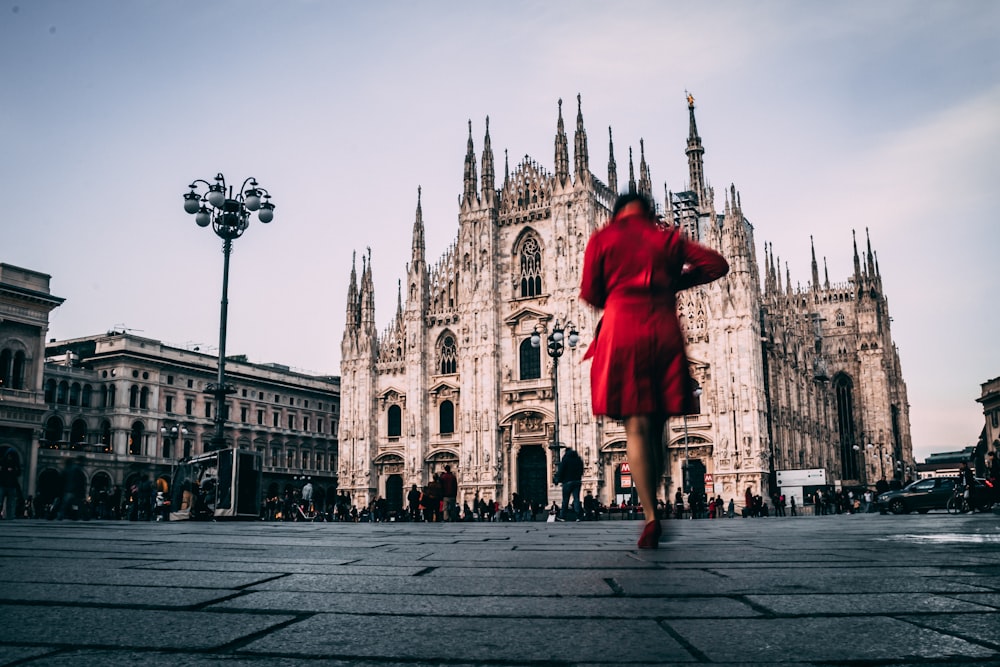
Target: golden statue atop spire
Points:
(690, 99)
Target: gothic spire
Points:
(418, 235)
(399, 303)
(367, 294)
(469, 195)
(631, 172)
(353, 317)
(857, 260)
(645, 185)
(581, 156)
(778, 274)
(695, 154)
(506, 169)
(815, 267)
(788, 280)
(826, 275)
(562, 150)
(612, 167)
(870, 264)
(489, 175)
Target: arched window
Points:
(849, 463)
(447, 354)
(78, 433)
(839, 318)
(50, 391)
(88, 392)
(531, 360)
(135, 439)
(62, 393)
(133, 396)
(106, 435)
(17, 372)
(6, 362)
(112, 392)
(446, 417)
(144, 398)
(74, 394)
(54, 429)
(531, 268)
(395, 419)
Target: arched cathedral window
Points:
(446, 417)
(447, 355)
(840, 318)
(395, 421)
(530, 361)
(531, 268)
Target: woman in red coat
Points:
(633, 268)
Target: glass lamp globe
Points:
(266, 212)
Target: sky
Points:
(827, 117)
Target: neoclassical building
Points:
(789, 377)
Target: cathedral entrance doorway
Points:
(394, 493)
(532, 480)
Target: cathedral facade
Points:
(788, 378)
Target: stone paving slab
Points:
(126, 596)
(463, 638)
(817, 639)
(59, 626)
(585, 583)
(852, 603)
(866, 591)
(568, 608)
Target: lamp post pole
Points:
(685, 477)
(555, 348)
(229, 216)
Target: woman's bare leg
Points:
(643, 434)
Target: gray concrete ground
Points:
(858, 590)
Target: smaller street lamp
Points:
(687, 460)
(170, 436)
(557, 341)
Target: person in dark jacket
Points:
(570, 474)
(10, 478)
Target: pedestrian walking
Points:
(570, 475)
(10, 481)
(633, 268)
(449, 493)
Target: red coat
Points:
(633, 269)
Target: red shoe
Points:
(650, 538)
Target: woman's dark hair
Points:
(629, 197)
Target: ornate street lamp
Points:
(229, 216)
(685, 477)
(556, 347)
(173, 435)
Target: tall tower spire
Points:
(367, 296)
(489, 173)
(581, 157)
(353, 317)
(870, 264)
(506, 169)
(419, 249)
(695, 153)
(857, 260)
(631, 172)
(469, 194)
(612, 166)
(562, 150)
(826, 275)
(815, 266)
(645, 185)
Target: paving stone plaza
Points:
(859, 590)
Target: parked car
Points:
(920, 496)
